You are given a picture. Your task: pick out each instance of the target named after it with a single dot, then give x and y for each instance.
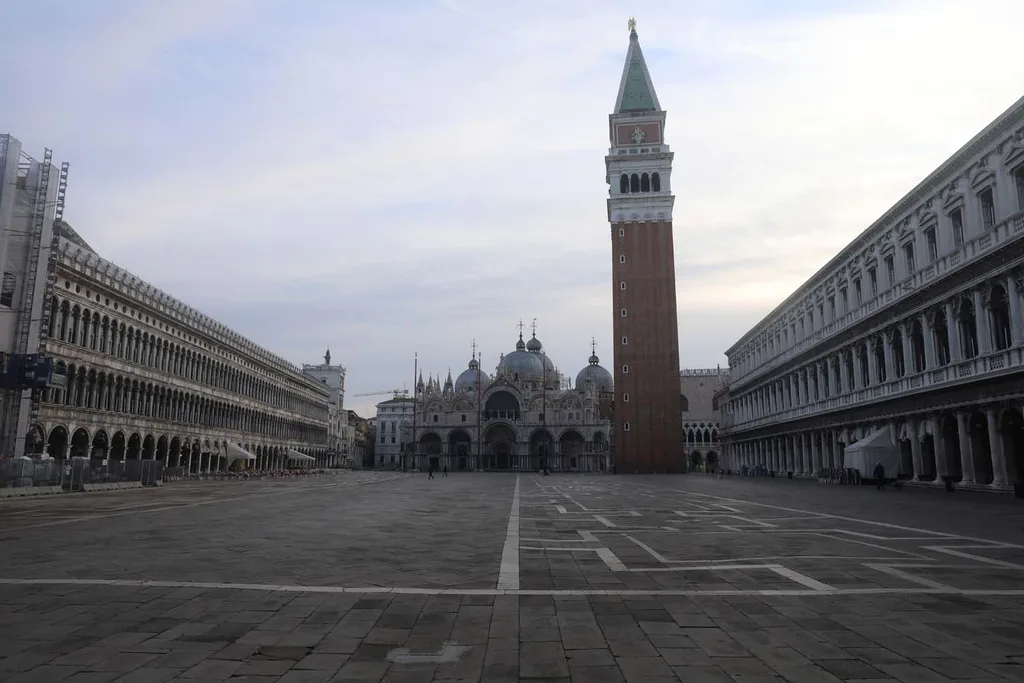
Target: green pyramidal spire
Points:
(636, 91)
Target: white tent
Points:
(295, 456)
(875, 448)
(235, 452)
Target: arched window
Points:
(624, 184)
(634, 183)
(684, 403)
(655, 182)
(645, 183)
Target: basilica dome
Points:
(471, 377)
(601, 378)
(521, 363)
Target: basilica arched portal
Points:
(541, 449)
(459, 445)
(502, 405)
(500, 443)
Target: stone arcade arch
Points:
(119, 446)
(1011, 426)
(711, 459)
(100, 445)
(80, 444)
(161, 449)
(977, 430)
(501, 447)
(174, 452)
(696, 460)
(57, 442)
(571, 447)
(148, 447)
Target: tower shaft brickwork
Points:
(648, 429)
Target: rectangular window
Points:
(873, 281)
(7, 291)
(832, 307)
(988, 209)
(957, 220)
(1018, 180)
(858, 295)
(821, 314)
(933, 245)
(890, 270)
(908, 258)
(844, 300)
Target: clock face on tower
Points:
(638, 135)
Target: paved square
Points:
(391, 577)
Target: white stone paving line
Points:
(508, 574)
(269, 587)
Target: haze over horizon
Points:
(406, 177)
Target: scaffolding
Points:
(14, 429)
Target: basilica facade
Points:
(527, 416)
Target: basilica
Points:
(526, 417)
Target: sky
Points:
(399, 177)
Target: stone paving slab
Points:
(394, 578)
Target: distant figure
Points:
(880, 477)
(445, 472)
(430, 472)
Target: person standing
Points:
(444, 473)
(880, 477)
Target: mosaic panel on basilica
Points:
(149, 378)
(528, 416)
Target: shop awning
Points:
(296, 456)
(235, 452)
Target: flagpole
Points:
(415, 395)
(479, 382)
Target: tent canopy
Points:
(875, 448)
(235, 452)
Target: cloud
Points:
(404, 177)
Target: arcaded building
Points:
(909, 344)
(150, 378)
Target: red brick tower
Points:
(648, 421)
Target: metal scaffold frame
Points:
(14, 441)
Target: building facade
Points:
(393, 432)
(333, 377)
(149, 378)
(911, 339)
(526, 417)
(701, 415)
(648, 434)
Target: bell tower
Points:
(648, 418)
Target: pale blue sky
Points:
(402, 176)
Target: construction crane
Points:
(396, 392)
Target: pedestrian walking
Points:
(445, 472)
(430, 472)
(880, 477)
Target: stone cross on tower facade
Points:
(648, 430)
